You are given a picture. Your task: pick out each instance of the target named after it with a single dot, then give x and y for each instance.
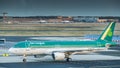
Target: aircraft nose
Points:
(11, 50)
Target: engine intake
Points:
(58, 56)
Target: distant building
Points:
(108, 19)
(60, 19)
(85, 19)
(2, 41)
(102, 20)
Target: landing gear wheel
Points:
(68, 59)
(24, 60)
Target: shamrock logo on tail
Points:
(110, 32)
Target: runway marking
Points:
(111, 66)
(76, 67)
(2, 67)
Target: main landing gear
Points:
(67, 56)
(68, 59)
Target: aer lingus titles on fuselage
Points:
(61, 50)
(60, 44)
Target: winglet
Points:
(108, 32)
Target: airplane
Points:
(62, 50)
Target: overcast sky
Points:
(60, 7)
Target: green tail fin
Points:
(108, 32)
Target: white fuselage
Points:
(34, 51)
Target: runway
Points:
(103, 59)
(61, 64)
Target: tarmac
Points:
(47, 62)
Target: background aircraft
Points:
(95, 37)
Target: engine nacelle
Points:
(58, 56)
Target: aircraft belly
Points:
(34, 51)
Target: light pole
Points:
(4, 16)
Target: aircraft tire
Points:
(24, 60)
(68, 59)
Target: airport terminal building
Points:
(59, 19)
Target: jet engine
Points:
(58, 56)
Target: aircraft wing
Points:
(72, 52)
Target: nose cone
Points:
(11, 50)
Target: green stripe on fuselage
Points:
(59, 44)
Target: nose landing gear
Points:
(24, 58)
